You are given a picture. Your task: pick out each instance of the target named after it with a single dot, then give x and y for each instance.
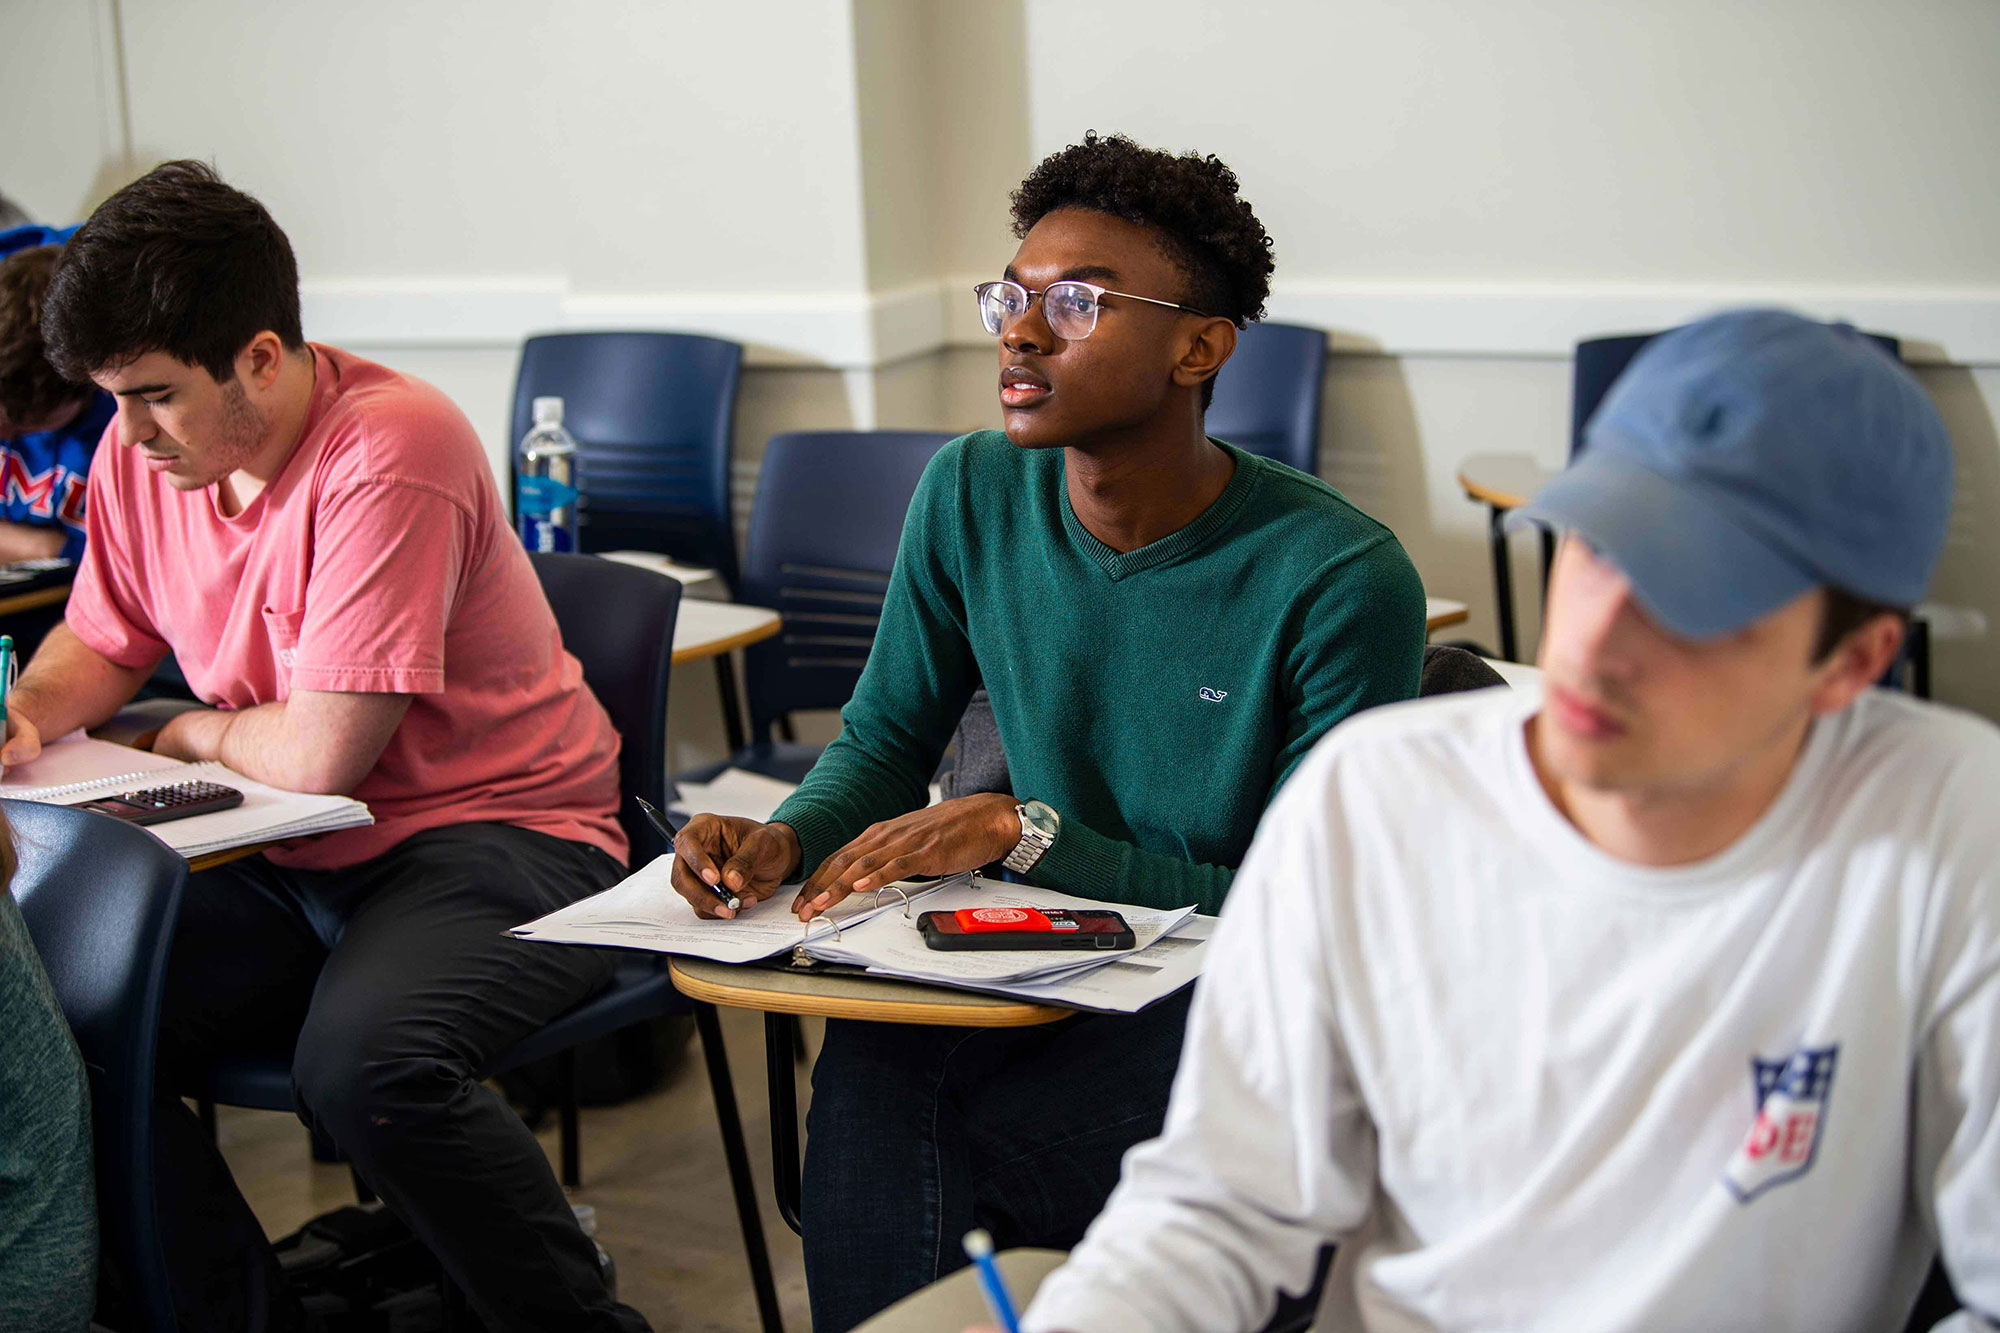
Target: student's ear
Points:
(258, 364)
(1857, 662)
(1213, 342)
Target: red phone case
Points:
(1024, 928)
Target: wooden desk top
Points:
(29, 601)
(710, 629)
(1440, 612)
(1505, 481)
(832, 995)
(28, 584)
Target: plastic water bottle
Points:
(586, 1218)
(544, 485)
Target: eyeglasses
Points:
(1070, 307)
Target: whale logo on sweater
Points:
(1793, 1094)
(1211, 694)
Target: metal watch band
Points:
(1030, 848)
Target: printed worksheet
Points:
(643, 911)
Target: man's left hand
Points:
(194, 735)
(943, 839)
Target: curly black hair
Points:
(1189, 200)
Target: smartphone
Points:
(157, 805)
(1024, 928)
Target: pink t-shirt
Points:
(379, 560)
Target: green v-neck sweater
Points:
(1155, 698)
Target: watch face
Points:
(1040, 818)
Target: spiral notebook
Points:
(76, 769)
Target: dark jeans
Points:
(397, 984)
(919, 1134)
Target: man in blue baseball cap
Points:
(1666, 995)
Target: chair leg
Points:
(732, 706)
(799, 1052)
(1548, 536)
(572, 1149)
(782, 1080)
(1503, 578)
(738, 1156)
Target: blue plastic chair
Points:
(1600, 361)
(100, 899)
(618, 621)
(823, 536)
(1267, 397)
(653, 415)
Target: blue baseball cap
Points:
(1750, 456)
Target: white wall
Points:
(624, 145)
(1458, 192)
(1701, 141)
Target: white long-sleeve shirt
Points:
(1527, 1086)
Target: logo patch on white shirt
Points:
(1793, 1094)
(1213, 695)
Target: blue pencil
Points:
(979, 1249)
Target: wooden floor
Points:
(652, 1168)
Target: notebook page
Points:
(268, 814)
(75, 759)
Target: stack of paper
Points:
(891, 945)
(878, 931)
(75, 769)
(1130, 982)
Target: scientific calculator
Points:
(157, 805)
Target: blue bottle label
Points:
(541, 496)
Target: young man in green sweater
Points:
(1165, 624)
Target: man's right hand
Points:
(24, 740)
(748, 858)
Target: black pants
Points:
(393, 984)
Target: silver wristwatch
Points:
(1039, 826)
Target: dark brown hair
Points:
(30, 388)
(176, 262)
(1842, 613)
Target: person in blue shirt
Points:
(49, 428)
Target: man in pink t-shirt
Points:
(319, 542)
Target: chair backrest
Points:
(1267, 397)
(1600, 361)
(618, 622)
(1448, 669)
(653, 415)
(100, 899)
(823, 535)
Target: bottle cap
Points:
(548, 411)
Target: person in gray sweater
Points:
(48, 1205)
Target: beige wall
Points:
(1458, 192)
